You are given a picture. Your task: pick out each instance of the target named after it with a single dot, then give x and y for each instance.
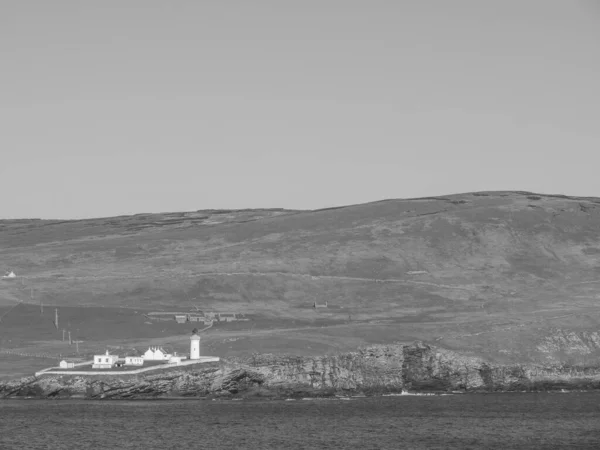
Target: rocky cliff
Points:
(370, 370)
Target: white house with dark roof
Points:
(156, 354)
(226, 317)
(66, 364)
(105, 361)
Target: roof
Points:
(105, 354)
(195, 337)
(155, 349)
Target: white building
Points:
(105, 361)
(194, 346)
(10, 274)
(156, 354)
(175, 360)
(64, 364)
(134, 361)
(226, 317)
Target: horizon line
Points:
(225, 210)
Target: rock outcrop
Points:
(560, 344)
(370, 370)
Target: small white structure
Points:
(226, 317)
(175, 360)
(105, 361)
(194, 346)
(10, 274)
(64, 364)
(156, 354)
(134, 361)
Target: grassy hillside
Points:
(496, 273)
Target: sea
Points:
(461, 421)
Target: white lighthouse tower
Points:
(194, 346)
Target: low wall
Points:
(188, 362)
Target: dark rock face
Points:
(371, 370)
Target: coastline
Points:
(229, 399)
(380, 370)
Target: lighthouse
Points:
(194, 345)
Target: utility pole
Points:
(77, 346)
(56, 318)
(70, 341)
(63, 334)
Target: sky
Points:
(122, 107)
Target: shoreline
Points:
(274, 395)
(227, 399)
(383, 370)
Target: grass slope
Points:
(493, 273)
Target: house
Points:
(316, 305)
(105, 361)
(226, 317)
(181, 318)
(134, 361)
(156, 354)
(196, 318)
(65, 364)
(10, 274)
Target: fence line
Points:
(31, 355)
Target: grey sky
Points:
(120, 107)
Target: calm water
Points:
(477, 421)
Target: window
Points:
(106, 359)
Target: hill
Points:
(509, 276)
